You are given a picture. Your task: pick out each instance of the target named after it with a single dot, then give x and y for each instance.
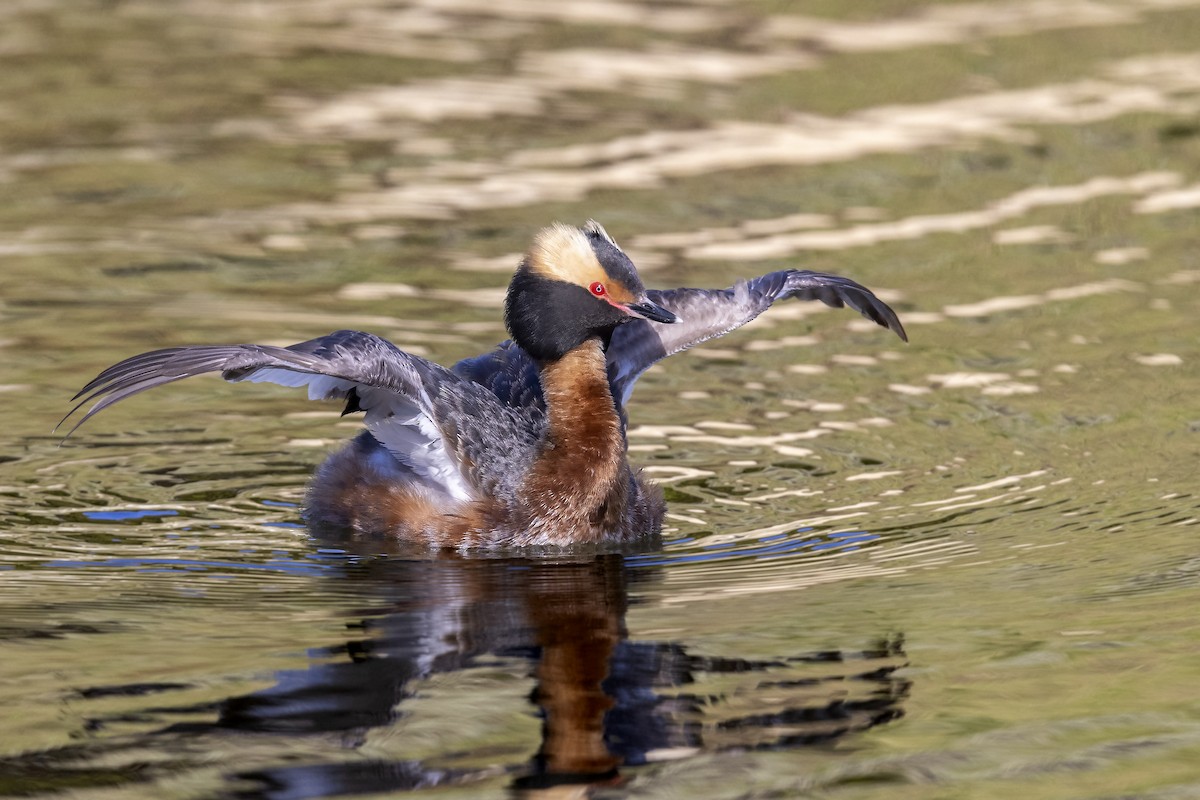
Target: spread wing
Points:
(426, 416)
(708, 313)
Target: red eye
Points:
(598, 289)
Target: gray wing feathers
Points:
(708, 313)
(405, 397)
(159, 367)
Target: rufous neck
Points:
(585, 447)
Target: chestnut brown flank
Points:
(355, 497)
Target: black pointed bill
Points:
(651, 311)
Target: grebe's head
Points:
(574, 285)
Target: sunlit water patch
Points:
(477, 672)
(967, 564)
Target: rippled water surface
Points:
(962, 567)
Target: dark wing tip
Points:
(145, 371)
(883, 315)
(836, 291)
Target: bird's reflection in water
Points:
(605, 702)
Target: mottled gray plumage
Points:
(463, 441)
(425, 415)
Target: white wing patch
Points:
(410, 435)
(393, 419)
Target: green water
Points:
(962, 567)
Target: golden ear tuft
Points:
(563, 253)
